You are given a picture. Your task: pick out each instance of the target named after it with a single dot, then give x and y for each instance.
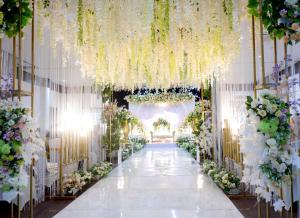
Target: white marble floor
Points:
(161, 181)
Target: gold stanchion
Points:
(31, 188)
(14, 62)
(262, 48)
(61, 168)
(19, 205)
(110, 141)
(32, 58)
(292, 197)
(254, 56)
(12, 210)
(20, 73)
(259, 208)
(0, 60)
(275, 51)
(281, 196)
(267, 210)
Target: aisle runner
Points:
(161, 181)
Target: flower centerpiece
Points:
(205, 136)
(266, 148)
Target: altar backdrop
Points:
(174, 113)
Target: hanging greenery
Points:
(281, 18)
(10, 16)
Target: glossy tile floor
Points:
(161, 181)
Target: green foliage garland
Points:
(10, 16)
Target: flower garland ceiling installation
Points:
(136, 43)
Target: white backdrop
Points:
(174, 113)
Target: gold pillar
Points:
(0, 60)
(254, 56)
(31, 188)
(262, 48)
(61, 168)
(20, 74)
(32, 58)
(14, 62)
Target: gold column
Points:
(20, 75)
(14, 62)
(32, 105)
(110, 141)
(254, 56)
(262, 48)
(61, 168)
(31, 188)
(0, 60)
(32, 58)
(292, 197)
(275, 51)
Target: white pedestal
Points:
(120, 156)
(197, 155)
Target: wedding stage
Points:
(172, 112)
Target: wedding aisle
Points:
(161, 181)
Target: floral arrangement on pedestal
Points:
(19, 143)
(195, 118)
(205, 135)
(280, 17)
(161, 123)
(10, 16)
(226, 180)
(169, 97)
(265, 146)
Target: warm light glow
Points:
(81, 122)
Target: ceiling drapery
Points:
(136, 43)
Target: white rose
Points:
(271, 142)
(291, 2)
(254, 103)
(282, 168)
(278, 114)
(262, 113)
